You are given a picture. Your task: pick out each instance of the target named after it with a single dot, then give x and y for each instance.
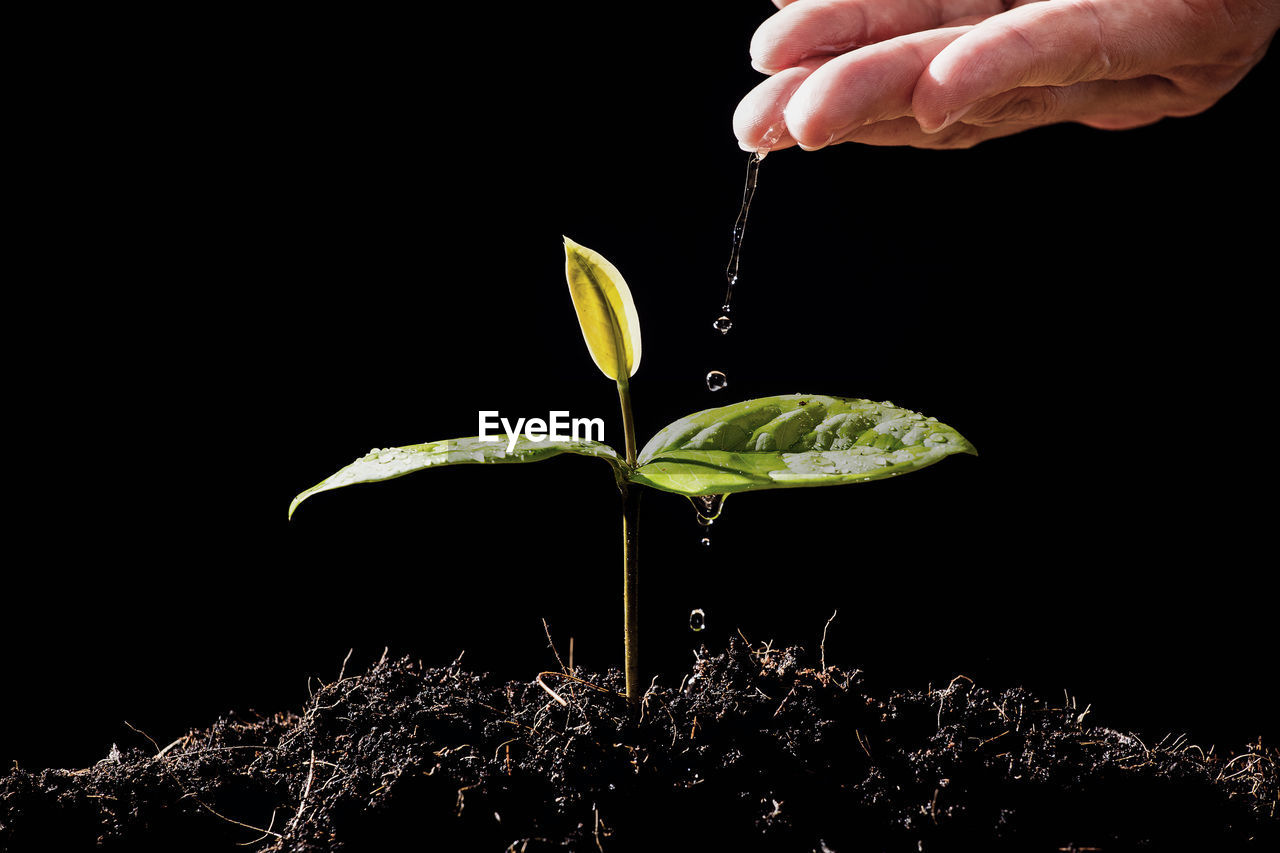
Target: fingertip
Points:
(757, 141)
(809, 137)
(804, 131)
(941, 96)
(808, 115)
(759, 120)
(747, 123)
(930, 124)
(763, 52)
(775, 45)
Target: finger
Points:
(758, 121)
(1106, 104)
(1044, 44)
(868, 85)
(828, 27)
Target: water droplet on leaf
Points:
(708, 507)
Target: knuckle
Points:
(1210, 81)
(1033, 105)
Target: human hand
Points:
(952, 73)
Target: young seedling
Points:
(790, 441)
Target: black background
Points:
(261, 247)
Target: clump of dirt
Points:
(752, 750)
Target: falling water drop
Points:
(706, 541)
(697, 619)
(716, 381)
(723, 324)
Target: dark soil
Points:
(753, 750)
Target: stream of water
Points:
(709, 506)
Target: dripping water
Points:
(724, 322)
(716, 379)
(708, 508)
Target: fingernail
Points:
(804, 147)
(757, 66)
(949, 119)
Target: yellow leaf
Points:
(605, 311)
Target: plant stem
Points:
(628, 421)
(630, 552)
(631, 589)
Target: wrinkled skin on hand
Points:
(952, 73)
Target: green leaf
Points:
(606, 312)
(392, 462)
(793, 441)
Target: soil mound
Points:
(752, 750)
